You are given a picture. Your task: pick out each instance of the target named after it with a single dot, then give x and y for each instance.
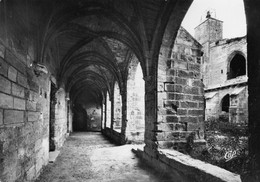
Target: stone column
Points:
(112, 112)
(124, 111)
(150, 115)
(253, 47)
(105, 115)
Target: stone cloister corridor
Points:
(88, 156)
(115, 68)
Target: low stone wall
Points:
(184, 168)
(135, 136)
(116, 137)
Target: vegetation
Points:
(227, 145)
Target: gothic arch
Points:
(236, 65)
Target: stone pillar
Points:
(253, 46)
(112, 112)
(124, 116)
(102, 115)
(150, 115)
(105, 114)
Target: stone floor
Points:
(90, 157)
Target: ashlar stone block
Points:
(12, 73)
(33, 116)
(17, 90)
(2, 50)
(13, 116)
(22, 80)
(3, 67)
(1, 117)
(19, 104)
(6, 101)
(5, 85)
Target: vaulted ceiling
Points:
(89, 44)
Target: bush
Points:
(223, 137)
(218, 125)
(224, 117)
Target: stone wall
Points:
(221, 53)
(94, 113)
(180, 94)
(87, 113)
(238, 111)
(24, 118)
(210, 30)
(114, 136)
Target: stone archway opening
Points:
(135, 104)
(79, 118)
(117, 120)
(103, 116)
(87, 112)
(237, 66)
(225, 103)
(108, 112)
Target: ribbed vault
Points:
(88, 44)
(96, 39)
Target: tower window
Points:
(237, 66)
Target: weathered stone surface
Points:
(180, 65)
(12, 74)
(181, 104)
(218, 73)
(190, 119)
(19, 104)
(33, 116)
(22, 80)
(194, 67)
(171, 119)
(30, 105)
(3, 67)
(2, 51)
(5, 85)
(188, 104)
(17, 90)
(13, 116)
(196, 112)
(6, 101)
(178, 164)
(169, 87)
(1, 117)
(30, 174)
(182, 112)
(15, 62)
(33, 86)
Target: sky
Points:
(231, 12)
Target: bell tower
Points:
(209, 31)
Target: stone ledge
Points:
(191, 169)
(115, 136)
(203, 170)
